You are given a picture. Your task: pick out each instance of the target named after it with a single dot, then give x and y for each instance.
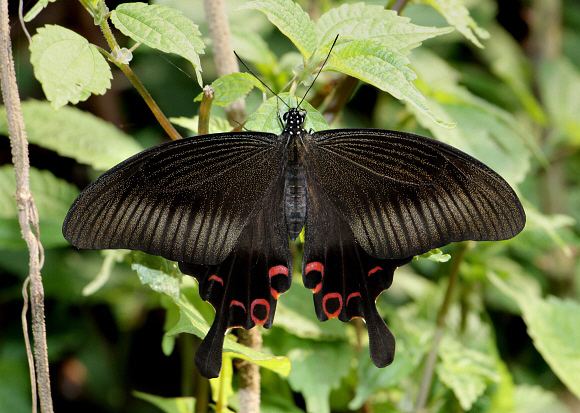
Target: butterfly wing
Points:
(403, 194)
(187, 200)
(245, 287)
(375, 199)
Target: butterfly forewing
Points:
(403, 194)
(187, 200)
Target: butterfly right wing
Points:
(186, 200)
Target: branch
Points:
(225, 63)
(427, 378)
(27, 213)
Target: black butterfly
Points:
(225, 206)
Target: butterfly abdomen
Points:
(295, 199)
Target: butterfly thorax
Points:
(295, 180)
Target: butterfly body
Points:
(225, 206)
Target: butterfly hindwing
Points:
(245, 287)
(403, 194)
(187, 200)
(344, 279)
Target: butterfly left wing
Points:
(244, 288)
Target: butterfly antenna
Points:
(320, 70)
(260, 80)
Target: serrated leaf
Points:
(465, 371)
(553, 325)
(192, 322)
(69, 68)
(291, 20)
(386, 69)
(266, 117)
(162, 28)
(560, 89)
(231, 87)
(75, 134)
(362, 21)
(168, 404)
(52, 196)
(483, 130)
(252, 47)
(36, 9)
(216, 124)
(458, 16)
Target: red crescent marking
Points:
(317, 289)
(265, 303)
(352, 295)
(314, 266)
(374, 270)
(215, 277)
(238, 303)
(330, 296)
(274, 293)
(278, 270)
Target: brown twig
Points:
(427, 378)
(27, 213)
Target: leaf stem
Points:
(204, 111)
(429, 370)
(135, 81)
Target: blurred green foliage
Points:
(483, 76)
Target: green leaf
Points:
(52, 196)
(560, 90)
(75, 134)
(162, 28)
(483, 130)
(216, 124)
(36, 9)
(252, 47)
(168, 404)
(69, 68)
(458, 16)
(317, 367)
(553, 325)
(465, 371)
(361, 21)
(534, 399)
(435, 255)
(158, 280)
(221, 386)
(508, 62)
(192, 322)
(291, 20)
(387, 69)
(231, 87)
(266, 117)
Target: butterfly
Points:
(224, 206)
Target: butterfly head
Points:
(294, 121)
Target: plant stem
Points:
(427, 378)
(204, 111)
(136, 82)
(27, 212)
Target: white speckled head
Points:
(294, 121)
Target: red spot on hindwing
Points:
(238, 304)
(317, 289)
(215, 277)
(259, 302)
(278, 270)
(374, 270)
(275, 294)
(352, 295)
(331, 296)
(314, 266)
